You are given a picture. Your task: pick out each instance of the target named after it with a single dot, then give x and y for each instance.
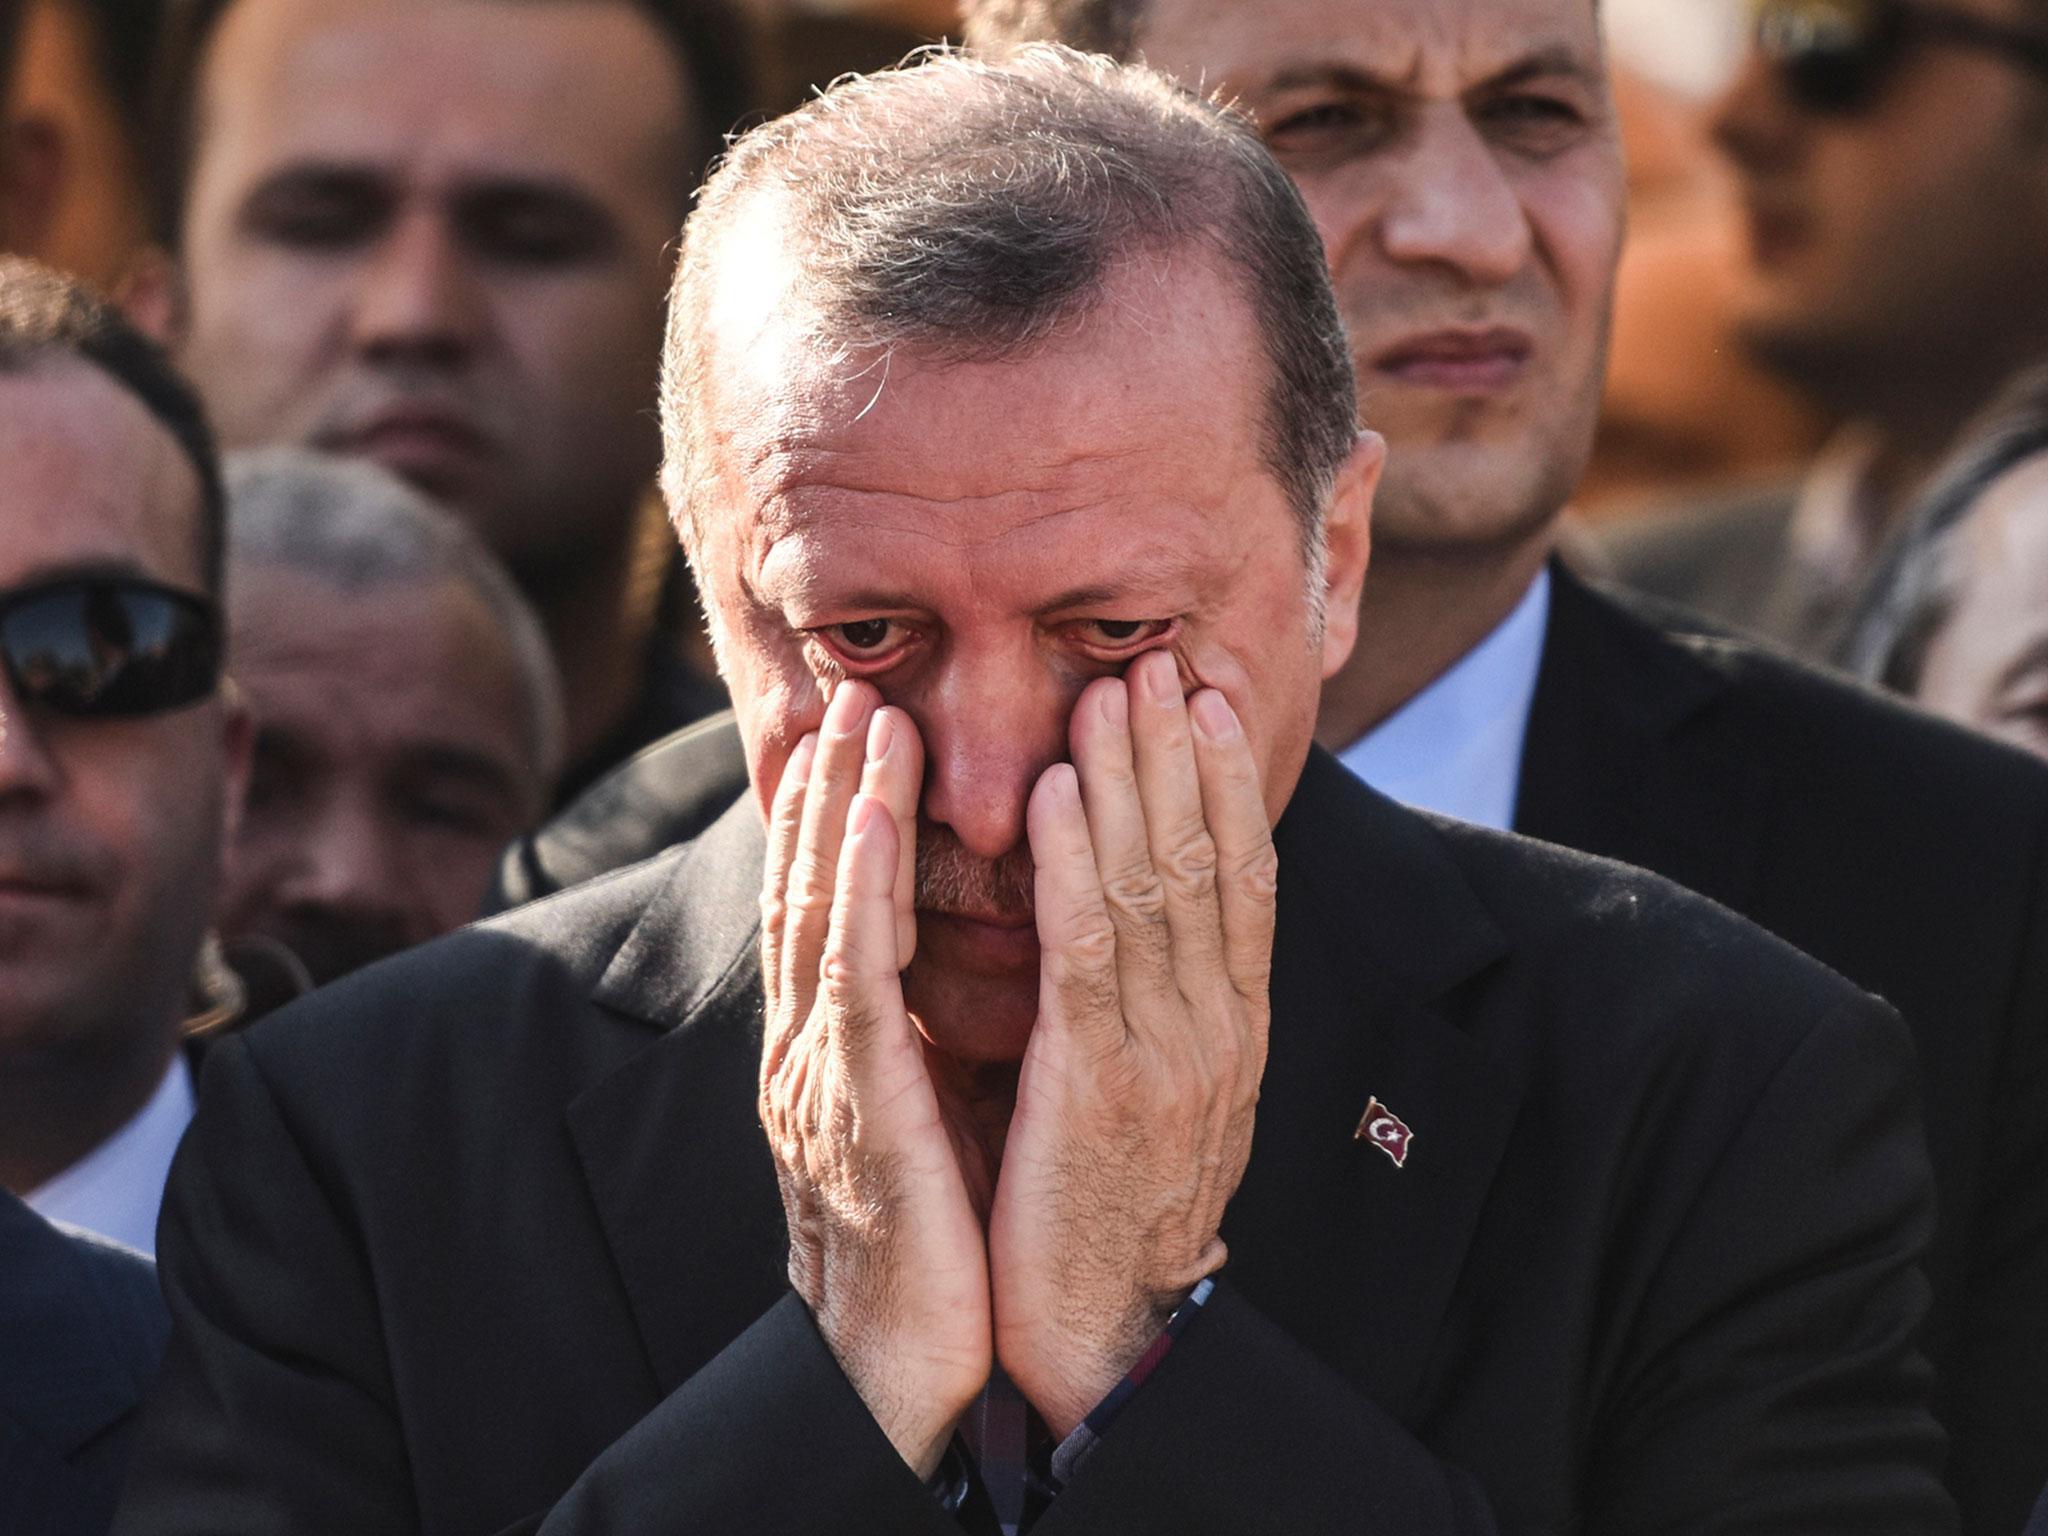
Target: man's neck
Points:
(600, 618)
(58, 1105)
(1420, 615)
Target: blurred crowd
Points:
(340, 605)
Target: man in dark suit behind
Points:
(1009, 410)
(1491, 683)
(82, 1328)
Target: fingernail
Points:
(800, 756)
(1214, 717)
(1161, 679)
(865, 808)
(1062, 784)
(1115, 705)
(844, 710)
(881, 731)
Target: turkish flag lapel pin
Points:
(1385, 1130)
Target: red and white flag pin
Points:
(1385, 1130)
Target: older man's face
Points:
(110, 829)
(434, 233)
(392, 764)
(980, 541)
(1461, 161)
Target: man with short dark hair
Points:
(430, 233)
(120, 761)
(1892, 157)
(1012, 434)
(408, 718)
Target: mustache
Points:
(952, 880)
(363, 395)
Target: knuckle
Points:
(1137, 895)
(1258, 872)
(1189, 863)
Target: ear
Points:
(1347, 542)
(34, 162)
(152, 296)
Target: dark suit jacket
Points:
(487, 1239)
(82, 1327)
(1910, 856)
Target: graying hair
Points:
(359, 528)
(1913, 589)
(969, 208)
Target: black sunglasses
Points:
(106, 646)
(1834, 56)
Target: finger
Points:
(1176, 829)
(814, 868)
(1247, 867)
(1131, 892)
(894, 775)
(862, 988)
(785, 817)
(1077, 941)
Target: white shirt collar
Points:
(1456, 747)
(117, 1188)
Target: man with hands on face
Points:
(1101, 1173)
(1057, 1097)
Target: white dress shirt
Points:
(117, 1188)
(1456, 747)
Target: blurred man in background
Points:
(431, 233)
(73, 109)
(1893, 157)
(408, 718)
(120, 761)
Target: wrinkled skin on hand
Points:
(1133, 1109)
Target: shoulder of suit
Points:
(1566, 910)
(1843, 726)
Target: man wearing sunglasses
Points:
(1892, 157)
(120, 761)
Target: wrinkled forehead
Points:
(1428, 46)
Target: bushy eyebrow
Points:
(1545, 64)
(1157, 571)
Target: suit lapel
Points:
(1380, 933)
(669, 1141)
(1614, 763)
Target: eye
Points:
(861, 645)
(1121, 637)
(1536, 122)
(1327, 127)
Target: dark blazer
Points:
(487, 1238)
(1910, 856)
(82, 1327)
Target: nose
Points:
(1452, 205)
(28, 769)
(1753, 122)
(991, 726)
(420, 298)
(345, 862)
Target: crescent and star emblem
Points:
(1385, 1130)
